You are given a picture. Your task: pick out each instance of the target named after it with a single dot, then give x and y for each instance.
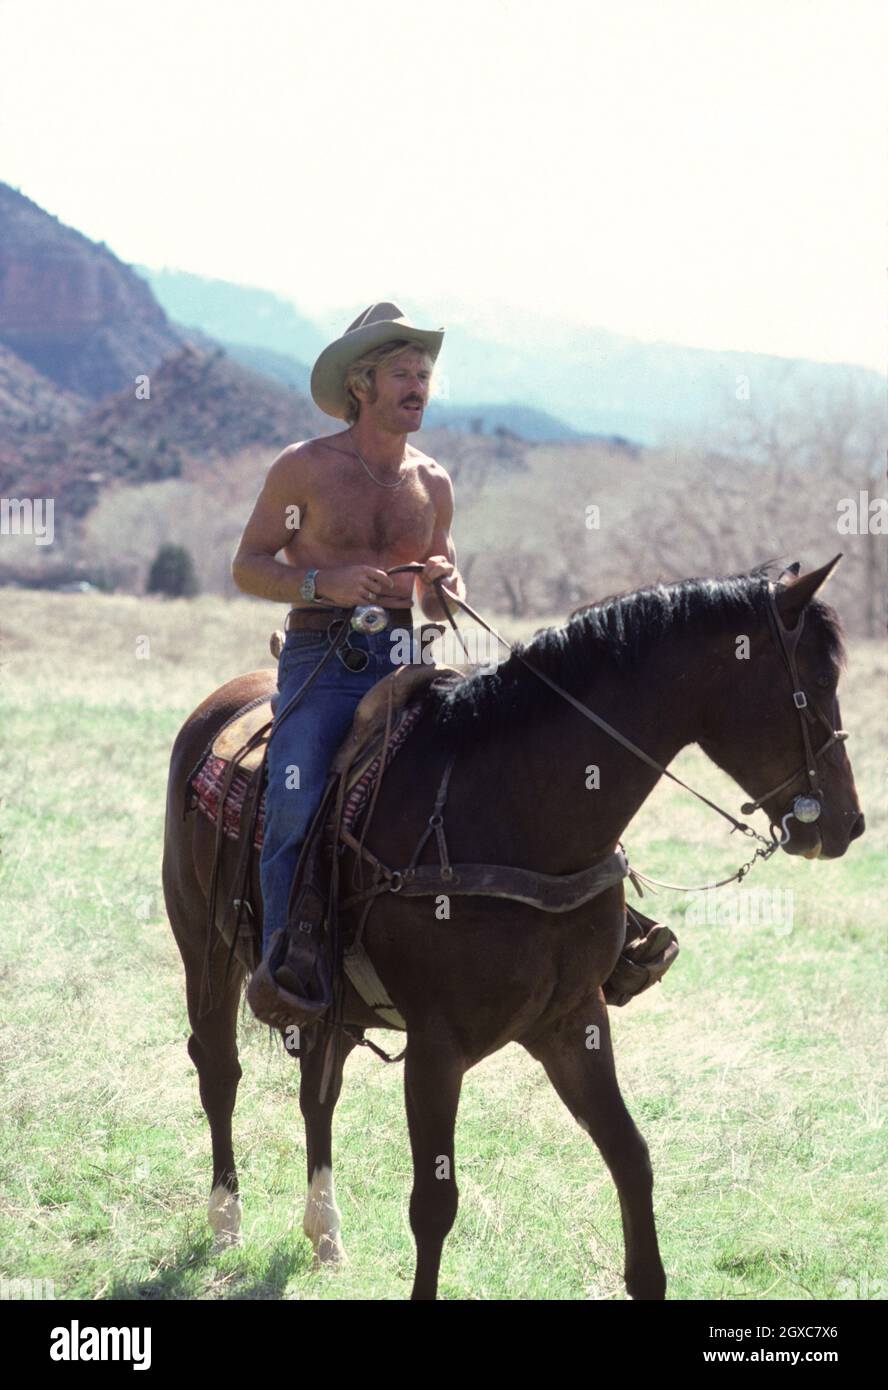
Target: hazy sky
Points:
(701, 171)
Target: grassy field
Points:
(755, 1072)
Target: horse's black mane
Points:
(622, 631)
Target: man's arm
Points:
(274, 518)
(440, 561)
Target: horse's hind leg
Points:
(579, 1061)
(212, 1048)
(321, 1221)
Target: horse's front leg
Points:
(579, 1061)
(321, 1221)
(433, 1073)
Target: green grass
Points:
(755, 1072)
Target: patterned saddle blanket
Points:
(207, 783)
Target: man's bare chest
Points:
(357, 515)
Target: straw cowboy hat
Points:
(381, 323)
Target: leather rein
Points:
(415, 878)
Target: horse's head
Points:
(776, 729)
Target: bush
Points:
(172, 573)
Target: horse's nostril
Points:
(858, 827)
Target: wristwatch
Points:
(307, 588)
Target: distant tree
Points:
(172, 573)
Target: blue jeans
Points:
(301, 750)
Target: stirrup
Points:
(650, 949)
(273, 1002)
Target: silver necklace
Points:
(376, 480)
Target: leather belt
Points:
(317, 619)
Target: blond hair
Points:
(362, 372)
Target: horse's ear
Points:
(792, 597)
(792, 570)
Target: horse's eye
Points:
(824, 682)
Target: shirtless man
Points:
(342, 509)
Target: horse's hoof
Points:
(228, 1240)
(329, 1254)
(225, 1213)
(321, 1222)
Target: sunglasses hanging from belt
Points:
(353, 658)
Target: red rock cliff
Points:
(70, 307)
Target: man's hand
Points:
(349, 584)
(437, 567)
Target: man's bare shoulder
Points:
(434, 474)
(431, 468)
(298, 459)
(325, 444)
(308, 449)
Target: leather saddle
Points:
(243, 741)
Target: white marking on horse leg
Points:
(321, 1221)
(224, 1212)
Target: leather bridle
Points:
(805, 808)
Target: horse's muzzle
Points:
(857, 828)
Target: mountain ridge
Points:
(598, 382)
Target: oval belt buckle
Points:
(369, 618)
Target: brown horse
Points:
(693, 662)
